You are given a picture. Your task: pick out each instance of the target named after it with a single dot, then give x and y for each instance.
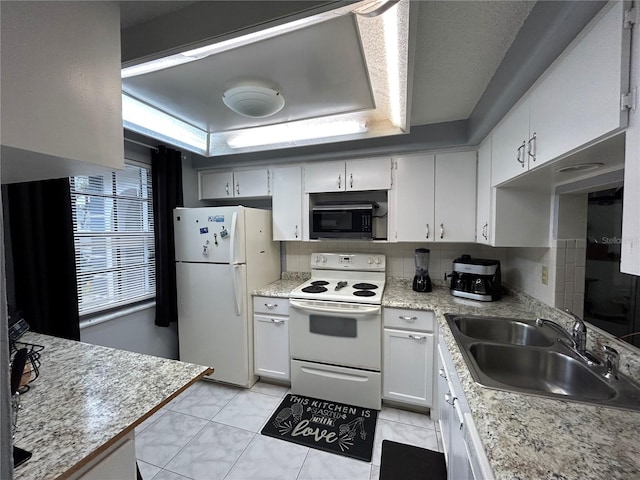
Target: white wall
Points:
(135, 332)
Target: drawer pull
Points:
(442, 374)
(407, 319)
(418, 337)
(450, 399)
(277, 322)
(271, 306)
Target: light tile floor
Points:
(212, 431)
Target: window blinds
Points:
(113, 236)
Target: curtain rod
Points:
(152, 147)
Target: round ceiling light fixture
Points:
(580, 167)
(253, 101)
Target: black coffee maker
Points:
(422, 281)
(476, 279)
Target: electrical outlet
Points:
(545, 275)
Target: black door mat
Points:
(333, 427)
(408, 462)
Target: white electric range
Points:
(335, 323)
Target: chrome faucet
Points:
(611, 362)
(578, 332)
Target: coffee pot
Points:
(421, 280)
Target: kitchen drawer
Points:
(345, 385)
(423, 320)
(271, 305)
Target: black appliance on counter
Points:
(344, 219)
(476, 279)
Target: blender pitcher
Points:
(421, 280)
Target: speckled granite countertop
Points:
(88, 397)
(525, 436)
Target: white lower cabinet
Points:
(407, 372)
(271, 337)
(464, 455)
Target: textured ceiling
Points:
(459, 46)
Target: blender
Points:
(421, 280)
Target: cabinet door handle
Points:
(238, 188)
(418, 337)
(296, 231)
(450, 399)
(407, 319)
(442, 374)
(520, 154)
(339, 181)
(227, 188)
(484, 230)
(271, 306)
(427, 236)
(277, 322)
(531, 147)
(351, 180)
(442, 230)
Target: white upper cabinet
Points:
(510, 141)
(483, 194)
(455, 197)
(434, 198)
(630, 247)
(413, 197)
(287, 203)
(352, 175)
(61, 90)
(577, 101)
(251, 183)
(324, 177)
(368, 174)
(215, 185)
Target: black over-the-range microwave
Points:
(340, 219)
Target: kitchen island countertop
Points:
(86, 399)
(526, 436)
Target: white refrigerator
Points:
(222, 255)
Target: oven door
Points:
(336, 333)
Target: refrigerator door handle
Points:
(234, 286)
(232, 248)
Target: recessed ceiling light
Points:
(579, 167)
(253, 101)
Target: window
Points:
(113, 236)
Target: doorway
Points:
(611, 298)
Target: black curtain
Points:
(166, 171)
(43, 256)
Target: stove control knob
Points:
(378, 261)
(370, 260)
(317, 259)
(324, 259)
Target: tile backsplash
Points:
(400, 256)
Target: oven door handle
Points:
(335, 308)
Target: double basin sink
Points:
(531, 357)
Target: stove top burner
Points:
(319, 283)
(314, 289)
(365, 286)
(364, 293)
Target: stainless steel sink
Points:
(508, 330)
(522, 356)
(540, 370)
